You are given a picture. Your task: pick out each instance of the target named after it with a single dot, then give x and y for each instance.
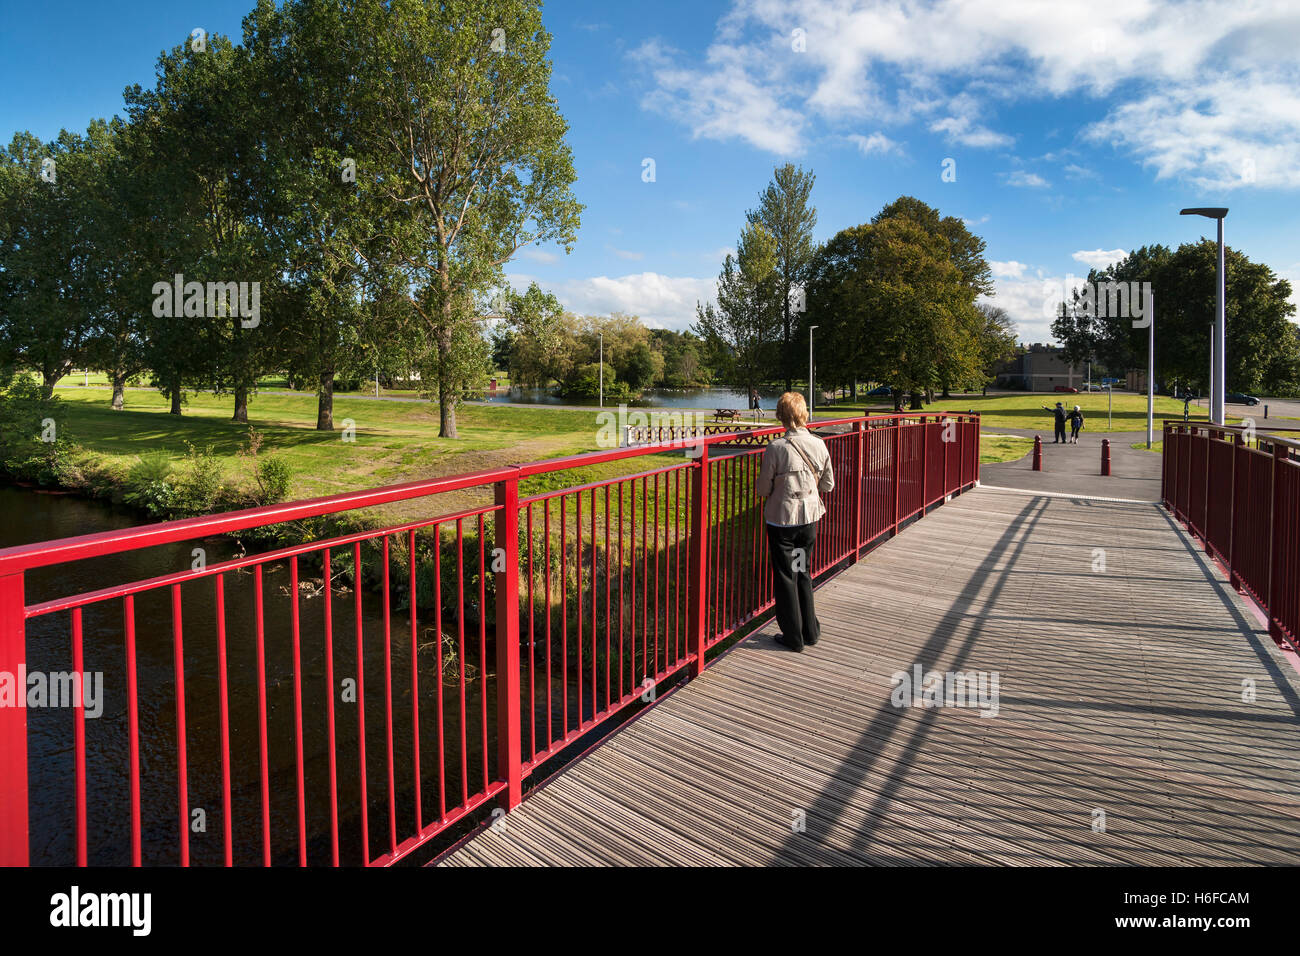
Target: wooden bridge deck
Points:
(1119, 691)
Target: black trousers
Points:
(791, 548)
(1060, 432)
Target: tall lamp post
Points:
(1218, 365)
(810, 368)
(1151, 364)
(602, 369)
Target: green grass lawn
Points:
(996, 448)
(1024, 410)
(391, 441)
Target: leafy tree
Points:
(47, 262)
(742, 331)
(997, 338)
(895, 308)
(452, 104)
(211, 186)
(534, 324)
(784, 211)
(1262, 353)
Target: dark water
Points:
(708, 398)
(30, 516)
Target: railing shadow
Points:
(889, 720)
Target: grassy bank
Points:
(375, 443)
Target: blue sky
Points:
(1077, 130)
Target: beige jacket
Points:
(785, 480)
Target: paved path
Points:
(1076, 469)
(1121, 736)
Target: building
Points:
(1039, 369)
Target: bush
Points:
(200, 489)
(148, 487)
(32, 446)
(274, 478)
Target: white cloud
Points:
(658, 299)
(1028, 180)
(625, 253)
(1099, 258)
(962, 130)
(875, 143)
(1007, 270)
(538, 255)
(1203, 90)
(723, 101)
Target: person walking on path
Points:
(1059, 413)
(795, 472)
(1076, 424)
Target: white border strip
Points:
(1062, 494)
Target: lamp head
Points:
(1209, 212)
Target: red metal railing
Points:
(597, 593)
(1238, 490)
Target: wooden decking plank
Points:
(1119, 690)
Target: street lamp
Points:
(602, 369)
(1218, 366)
(1151, 363)
(810, 368)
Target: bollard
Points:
(1038, 453)
(1266, 411)
(1105, 456)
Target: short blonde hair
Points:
(792, 410)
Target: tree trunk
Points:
(325, 403)
(446, 413)
(446, 393)
(119, 390)
(916, 402)
(49, 377)
(241, 405)
(175, 393)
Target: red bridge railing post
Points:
(1275, 540)
(1233, 516)
(699, 561)
(898, 474)
(509, 735)
(13, 724)
(858, 428)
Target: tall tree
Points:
(743, 330)
(895, 308)
(203, 112)
(785, 212)
(470, 154)
(48, 260)
(534, 320)
(1261, 347)
(317, 213)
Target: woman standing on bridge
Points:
(796, 470)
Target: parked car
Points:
(1240, 398)
(1067, 388)
(1092, 387)
(881, 390)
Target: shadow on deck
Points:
(1121, 735)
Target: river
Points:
(31, 516)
